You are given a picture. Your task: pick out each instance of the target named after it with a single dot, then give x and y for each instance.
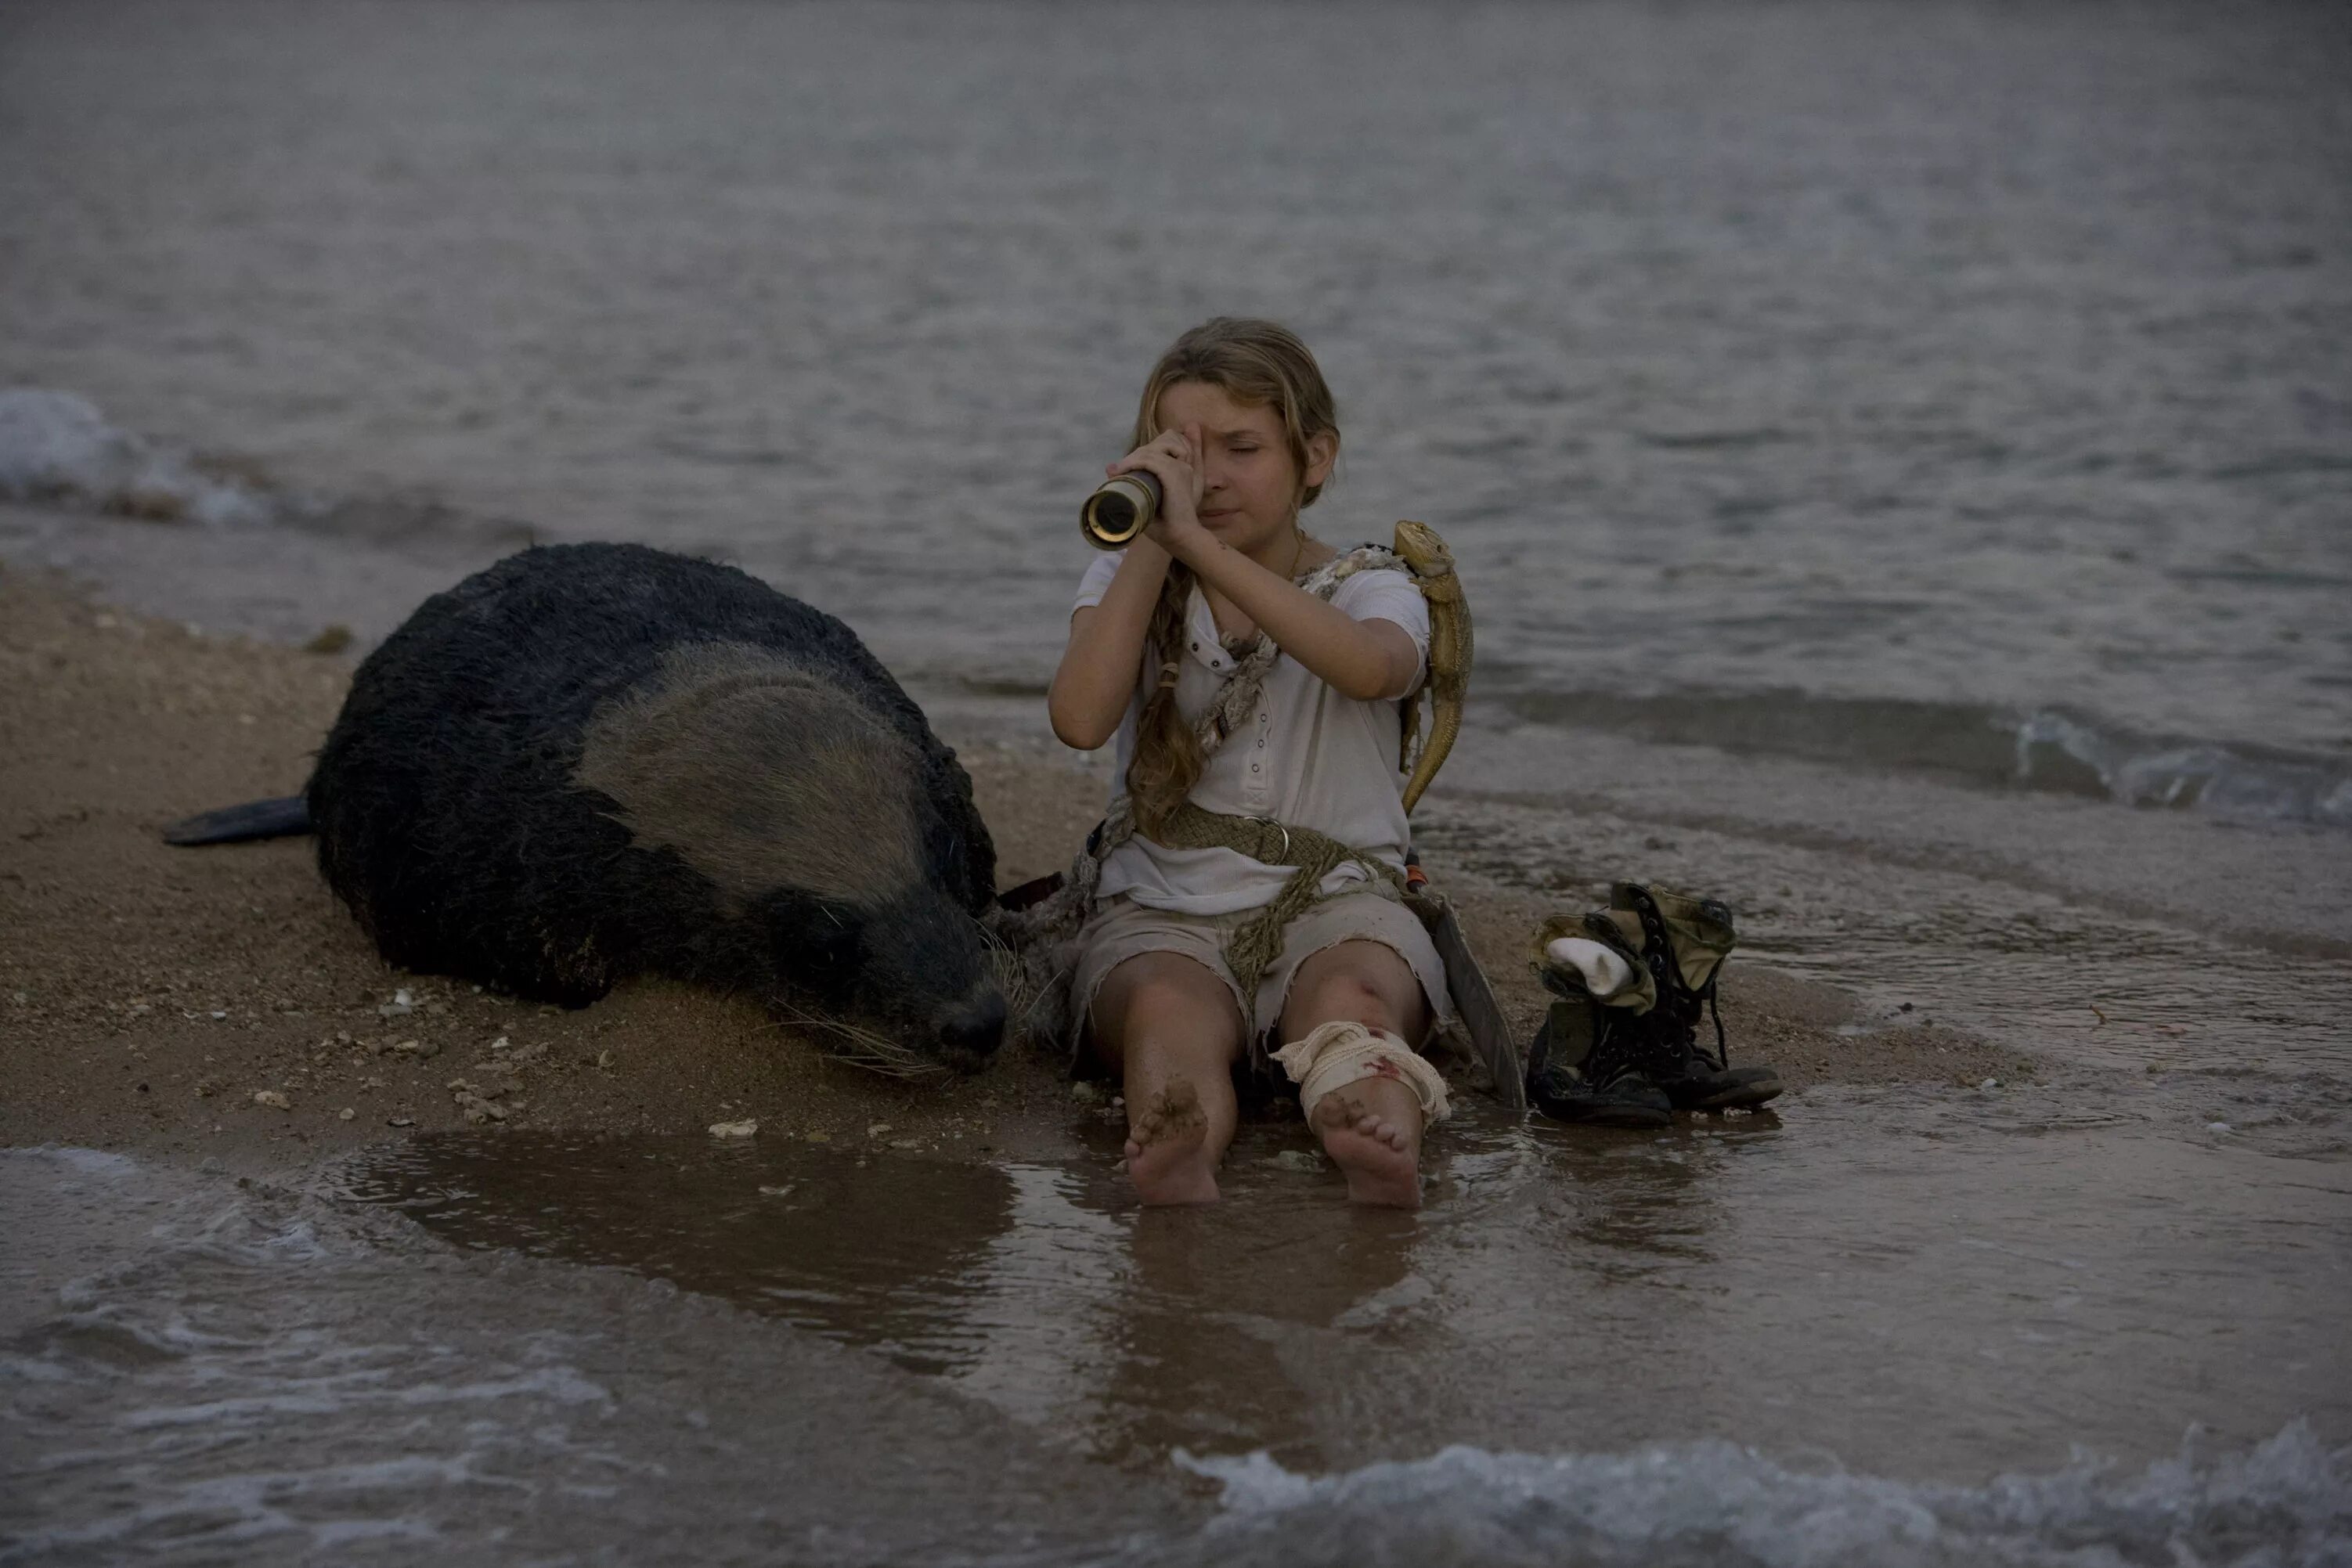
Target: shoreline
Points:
(149, 994)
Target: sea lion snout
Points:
(970, 1032)
(924, 974)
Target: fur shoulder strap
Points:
(1425, 555)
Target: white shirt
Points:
(1308, 756)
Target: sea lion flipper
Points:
(281, 818)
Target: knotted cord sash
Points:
(1315, 855)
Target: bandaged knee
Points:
(1336, 1054)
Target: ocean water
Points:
(1940, 387)
(1898, 458)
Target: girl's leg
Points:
(1370, 1128)
(1170, 1025)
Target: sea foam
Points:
(59, 448)
(2223, 780)
(2285, 1504)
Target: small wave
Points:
(1024, 688)
(1725, 439)
(2048, 748)
(57, 448)
(2285, 1503)
(2052, 747)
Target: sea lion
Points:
(594, 762)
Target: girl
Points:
(1262, 729)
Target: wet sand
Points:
(148, 993)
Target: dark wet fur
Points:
(450, 819)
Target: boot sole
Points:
(1733, 1096)
(1637, 1116)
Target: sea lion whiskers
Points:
(878, 1052)
(1025, 993)
(862, 1047)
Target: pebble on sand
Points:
(271, 1098)
(742, 1129)
(479, 1104)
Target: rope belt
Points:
(1314, 855)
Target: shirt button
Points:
(1252, 767)
(1261, 746)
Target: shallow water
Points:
(199, 1371)
(1952, 1282)
(196, 1370)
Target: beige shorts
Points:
(1121, 929)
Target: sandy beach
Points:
(149, 995)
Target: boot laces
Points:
(1619, 1048)
(1673, 1022)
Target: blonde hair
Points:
(1260, 364)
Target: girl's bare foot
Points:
(1167, 1149)
(1377, 1155)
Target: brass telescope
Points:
(1118, 509)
